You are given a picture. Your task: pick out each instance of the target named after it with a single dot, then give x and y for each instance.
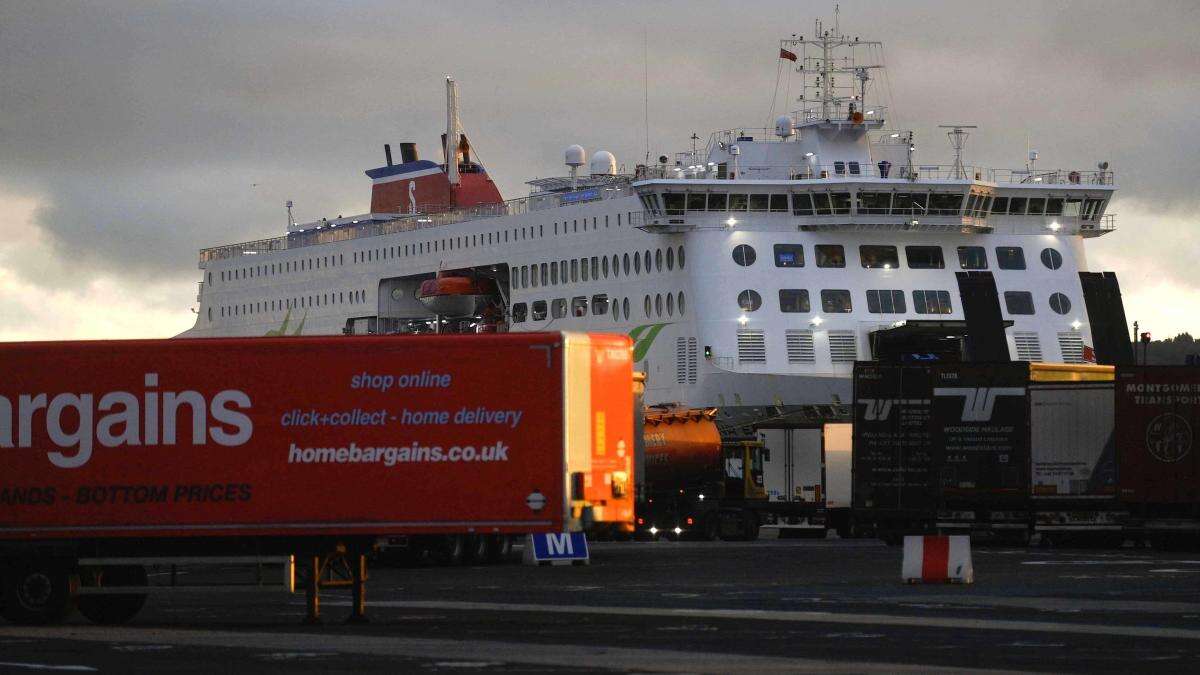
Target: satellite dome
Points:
(784, 127)
(603, 164)
(575, 155)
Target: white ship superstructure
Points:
(751, 272)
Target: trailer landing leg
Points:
(312, 592)
(338, 569)
(358, 612)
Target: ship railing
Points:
(881, 170)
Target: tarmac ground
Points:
(774, 605)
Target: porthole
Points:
(604, 266)
(646, 260)
(744, 255)
(670, 259)
(670, 305)
(749, 300)
(626, 264)
(616, 309)
(616, 266)
(1051, 258)
(637, 263)
(646, 306)
(625, 308)
(1060, 303)
(658, 260)
(210, 313)
(681, 305)
(658, 305)
(681, 257)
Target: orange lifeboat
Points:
(456, 294)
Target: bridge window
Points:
(1051, 258)
(539, 310)
(1054, 206)
(972, 258)
(942, 204)
(696, 202)
(1060, 303)
(599, 305)
(738, 202)
(1018, 302)
(830, 255)
(1016, 206)
(886, 302)
(744, 255)
(874, 203)
(760, 203)
(925, 257)
(789, 255)
(794, 301)
(879, 257)
(931, 302)
(839, 202)
(673, 203)
(749, 300)
(718, 201)
(836, 301)
(779, 203)
(1037, 206)
(802, 205)
(1010, 257)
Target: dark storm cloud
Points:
(148, 130)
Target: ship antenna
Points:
(958, 138)
(291, 220)
(646, 86)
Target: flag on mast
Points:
(785, 54)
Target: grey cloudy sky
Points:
(132, 134)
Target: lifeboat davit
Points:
(456, 294)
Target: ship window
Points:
(545, 274)
(658, 260)
(760, 202)
(1016, 206)
(680, 302)
(836, 301)
(579, 306)
(626, 264)
(539, 310)
(839, 168)
(637, 263)
(886, 302)
(1054, 206)
(1051, 258)
(779, 203)
(575, 274)
(681, 257)
(1060, 303)
(658, 304)
(749, 300)
(874, 203)
(616, 266)
(1000, 205)
(1071, 207)
(554, 272)
(830, 255)
(879, 257)
(596, 267)
(1010, 258)
(673, 202)
(1018, 302)
(524, 276)
(793, 301)
(789, 255)
(924, 257)
(744, 255)
(533, 276)
(718, 201)
(854, 169)
(558, 308)
(985, 206)
(696, 202)
(802, 205)
(646, 305)
(646, 261)
(972, 258)
(1037, 206)
(618, 220)
(945, 204)
(519, 311)
(738, 202)
(670, 304)
(972, 200)
(821, 203)
(1092, 209)
(625, 307)
(599, 305)
(670, 258)
(931, 302)
(840, 203)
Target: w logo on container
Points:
(880, 409)
(979, 402)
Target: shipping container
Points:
(1158, 419)
(138, 447)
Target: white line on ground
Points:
(805, 617)
(641, 660)
(45, 666)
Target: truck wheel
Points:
(499, 548)
(114, 609)
(710, 527)
(36, 592)
(751, 525)
(451, 550)
(478, 548)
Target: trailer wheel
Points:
(710, 527)
(478, 548)
(451, 550)
(37, 592)
(500, 548)
(751, 525)
(114, 609)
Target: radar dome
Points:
(575, 155)
(604, 164)
(784, 127)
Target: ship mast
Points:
(824, 58)
(452, 132)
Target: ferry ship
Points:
(751, 272)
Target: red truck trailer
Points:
(113, 453)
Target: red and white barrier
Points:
(938, 559)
